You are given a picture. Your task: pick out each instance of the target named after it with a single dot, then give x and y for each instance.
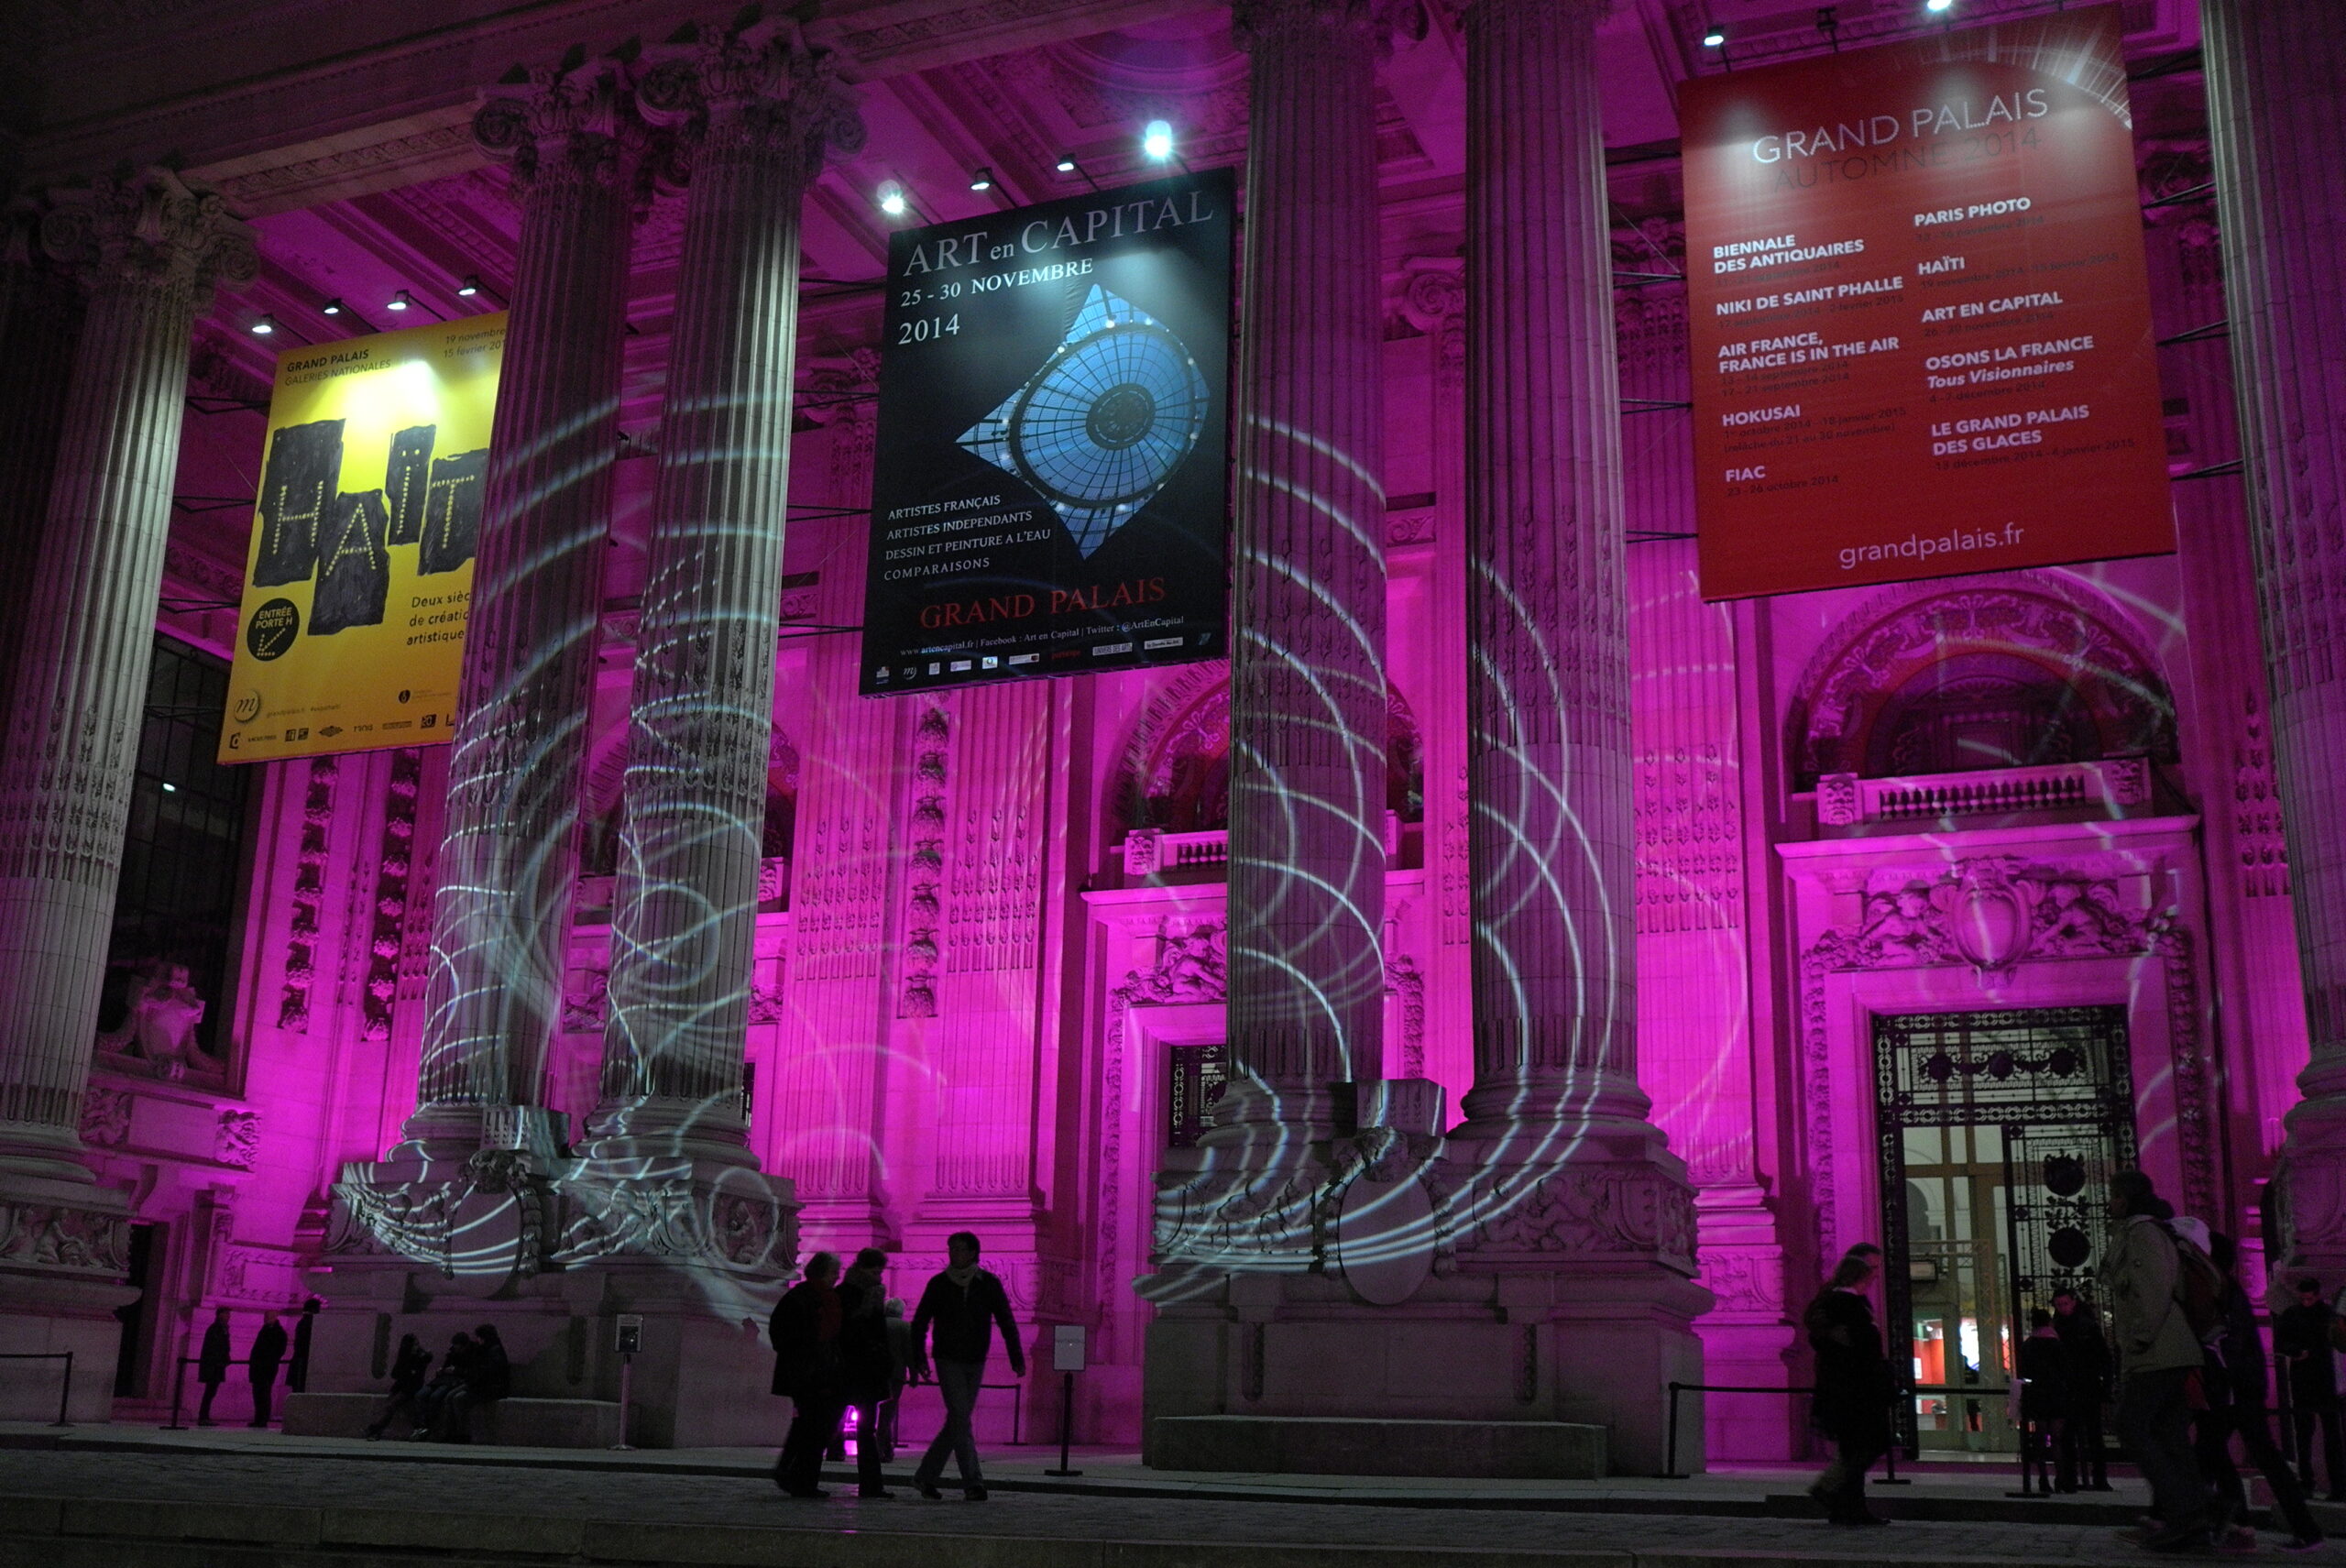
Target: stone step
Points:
(1339, 1445)
(520, 1423)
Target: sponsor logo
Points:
(912, 672)
(988, 663)
(960, 664)
(1156, 643)
(234, 743)
(293, 735)
(1105, 649)
(247, 707)
(270, 633)
(431, 719)
(933, 669)
(1025, 658)
(330, 730)
(880, 673)
(404, 696)
(400, 724)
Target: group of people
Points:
(272, 1351)
(840, 1343)
(2190, 1370)
(438, 1406)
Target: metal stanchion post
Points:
(179, 1393)
(628, 1339)
(65, 1395)
(1066, 1423)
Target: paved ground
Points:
(716, 1506)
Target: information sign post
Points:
(628, 1339)
(1067, 1360)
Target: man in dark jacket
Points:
(2236, 1386)
(1853, 1387)
(297, 1372)
(868, 1357)
(408, 1369)
(488, 1377)
(2301, 1337)
(266, 1357)
(961, 1307)
(2082, 1459)
(212, 1364)
(2043, 1397)
(808, 1367)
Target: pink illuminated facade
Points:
(1965, 821)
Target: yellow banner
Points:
(360, 573)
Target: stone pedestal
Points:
(2276, 84)
(152, 249)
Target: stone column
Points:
(152, 248)
(510, 855)
(701, 714)
(2276, 87)
(1306, 708)
(1556, 1124)
(40, 320)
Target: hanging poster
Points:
(1919, 312)
(1051, 495)
(360, 572)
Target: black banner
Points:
(1051, 489)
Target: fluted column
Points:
(152, 247)
(505, 868)
(1307, 710)
(1551, 845)
(699, 721)
(2276, 102)
(40, 320)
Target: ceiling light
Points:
(891, 198)
(264, 326)
(1157, 140)
(1066, 165)
(1714, 36)
(982, 180)
(1936, 6)
(331, 308)
(169, 788)
(400, 301)
(469, 287)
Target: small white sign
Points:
(631, 1333)
(1066, 1347)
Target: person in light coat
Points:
(2157, 1356)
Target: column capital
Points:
(1589, 12)
(149, 226)
(1254, 22)
(760, 86)
(576, 123)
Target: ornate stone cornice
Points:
(1256, 22)
(150, 227)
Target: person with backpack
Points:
(1851, 1405)
(2304, 1336)
(2154, 1293)
(2236, 1386)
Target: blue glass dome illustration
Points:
(1105, 420)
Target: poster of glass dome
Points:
(1050, 491)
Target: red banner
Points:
(1920, 317)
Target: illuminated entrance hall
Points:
(1449, 969)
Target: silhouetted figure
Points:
(2043, 1397)
(2236, 1387)
(431, 1406)
(2081, 1457)
(266, 1357)
(961, 1307)
(297, 1371)
(486, 1377)
(1853, 1387)
(810, 1367)
(2302, 1337)
(212, 1365)
(869, 1358)
(408, 1369)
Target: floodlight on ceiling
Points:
(1157, 140)
(891, 198)
(1714, 36)
(982, 179)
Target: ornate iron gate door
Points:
(2035, 1111)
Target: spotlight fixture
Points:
(1157, 140)
(982, 179)
(469, 287)
(169, 788)
(1936, 6)
(333, 307)
(891, 198)
(1714, 36)
(1066, 165)
(400, 301)
(264, 326)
